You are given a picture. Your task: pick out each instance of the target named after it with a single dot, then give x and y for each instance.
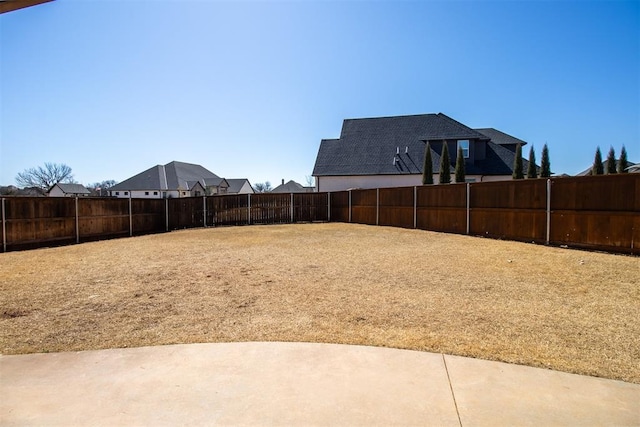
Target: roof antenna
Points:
(406, 150)
(397, 150)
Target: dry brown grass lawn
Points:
(563, 309)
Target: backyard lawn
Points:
(557, 308)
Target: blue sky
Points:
(248, 89)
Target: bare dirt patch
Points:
(568, 310)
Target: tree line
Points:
(610, 166)
(460, 173)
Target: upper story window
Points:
(464, 144)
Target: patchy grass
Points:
(568, 310)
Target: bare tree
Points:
(310, 180)
(101, 188)
(263, 187)
(45, 177)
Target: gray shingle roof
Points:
(369, 147)
(235, 184)
(501, 138)
(289, 187)
(172, 176)
(73, 188)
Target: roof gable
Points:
(172, 176)
(500, 138)
(289, 187)
(72, 188)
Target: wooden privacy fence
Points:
(600, 212)
(32, 222)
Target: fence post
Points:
(4, 228)
(468, 207)
(77, 223)
(166, 214)
(349, 205)
(204, 211)
(328, 206)
(130, 217)
(249, 208)
(415, 207)
(548, 210)
(377, 206)
(291, 208)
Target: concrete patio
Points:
(299, 384)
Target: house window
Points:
(117, 193)
(155, 193)
(464, 144)
(146, 193)
(126, 193)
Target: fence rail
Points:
(600, 212)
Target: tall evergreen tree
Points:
(623, 164)
(611, 161)
(598, 167)
(545, 164)
(517, 163)
(460, 169)
(532, 170)
(427, 167)
(445, 165)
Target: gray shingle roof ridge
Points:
(502, 135)
(391, 117)
(480, 135)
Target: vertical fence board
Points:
(442, 208)
(148, 216)
(339, 204)
(310, 207)
(514, 210)
(33, 222)
(597, 212)
(397, 207)
(102, 218)
(363, 206)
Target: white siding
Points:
(140, 194)
(246, 189)
(341, 183)
(57, 192)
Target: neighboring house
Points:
(292, 187)
(175, 179)
(631, 167)
(635, 168)
(389, 152)
(239, 186)
(68, 190)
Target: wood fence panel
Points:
(442, 208)
(33, 222)
(231, 209)
(186, 212)
(514, 210)
(103, 218)
(597, 212)
(271, 208)
(396, 207)
(339, 206)
(309, 207)
(148, 216)
(363, 206)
